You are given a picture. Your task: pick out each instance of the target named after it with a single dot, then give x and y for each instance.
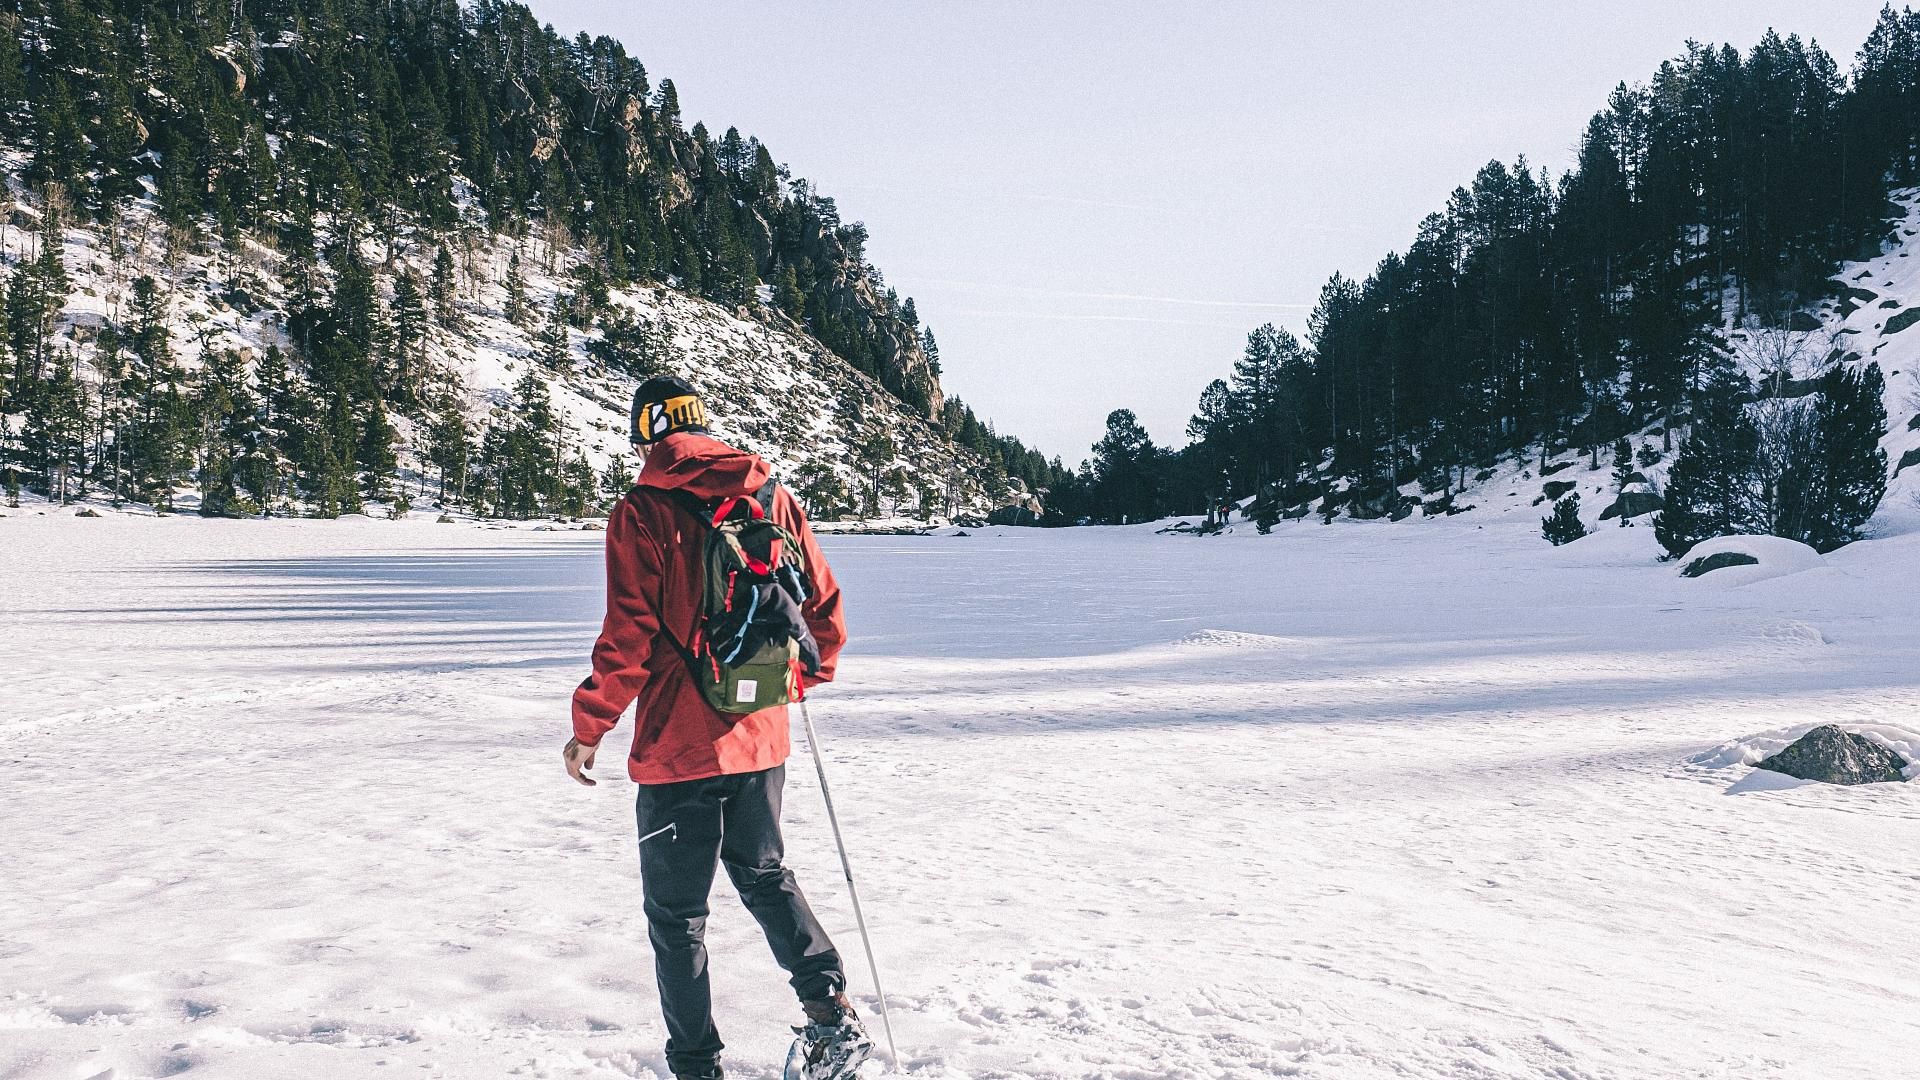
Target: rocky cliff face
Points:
(848, 294)
(779, 224)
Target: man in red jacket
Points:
(710, 782)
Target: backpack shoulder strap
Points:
(704, 514)
(694, 505)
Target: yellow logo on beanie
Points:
(673, 414)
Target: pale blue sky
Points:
(1092, 203)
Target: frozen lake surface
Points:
(284, 800)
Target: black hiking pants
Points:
(734, 820)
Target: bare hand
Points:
(579, 757)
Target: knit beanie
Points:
(663, 405)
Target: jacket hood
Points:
(703, 466)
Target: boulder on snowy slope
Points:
(1369, 507)
(1764, 557)
(1637, 498)
(1835, 756)
(1853, 297)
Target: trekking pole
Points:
(813, 742)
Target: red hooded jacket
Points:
(654, 547)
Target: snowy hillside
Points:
(771, 388)
(1873, 320)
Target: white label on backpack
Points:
(745, 689)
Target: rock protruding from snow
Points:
(1835, 756)
(1719, 560)
(1632, 504)
(1637, 497)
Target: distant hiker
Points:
(708, 757)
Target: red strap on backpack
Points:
(726, 509)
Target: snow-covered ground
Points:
(284, 800)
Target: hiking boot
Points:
(828, 1011)
(833, 1042)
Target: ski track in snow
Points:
(284, 800)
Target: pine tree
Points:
(523, 460)
(223, 409)
(873, 456)
(1126, 470)
(34, 300)
(408, 320)
(110, 410)
(1563, 526)
(591, 295)
(157, 432)
(637, 347)
(618, 477)
(1623, 469)
(334, 482)
(9, 389)
(443, 288)
(376, 458)
(53, 435)
(516, 309)
(820, 489)
(264, 465)
(361, 334)
(9, 471)
(578, 487)
(1214, 436)
(450, 444)
(553, 337)
(932, 349)
(1850, 419)
(14, 113)
(61, 149)
(1710, 488)
(667, 105)
(787, 295)
(1266, 515)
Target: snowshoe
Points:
(831, 1045)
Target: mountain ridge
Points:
(372, 188)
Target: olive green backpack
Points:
(751, 643)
